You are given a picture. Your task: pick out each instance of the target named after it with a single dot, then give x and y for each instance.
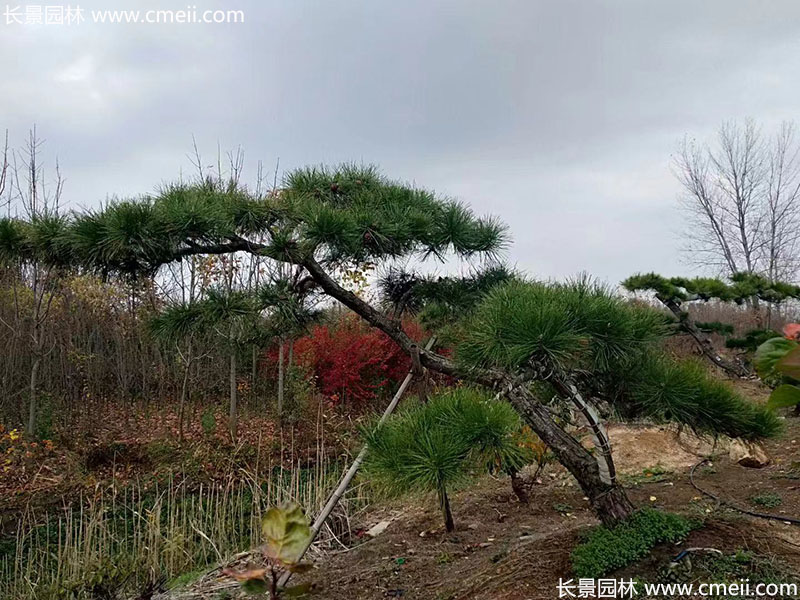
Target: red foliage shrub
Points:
(352, 361)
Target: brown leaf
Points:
(247, 575)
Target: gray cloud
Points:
(558, 116)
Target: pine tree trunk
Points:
(444, 503)
(36, 347)
(608, 500)
(233, 416)
(703, 341)
(184, 390)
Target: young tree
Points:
(323, 218)
(181, 325)
(430, 446)
(414, 451)
(289, 302)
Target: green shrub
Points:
(208, 421)
(752, 339)
(299, 397)
(45, 421)
(606, 550)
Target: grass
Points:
(742, 564)
(122, 541)
(184, 579)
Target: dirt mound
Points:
(642, 447)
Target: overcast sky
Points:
(558, 116)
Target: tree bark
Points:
(33, 405)
(608, 500)
(184, 389)
(36, 348)
(233, 415)
(702, 340)
(444, 504)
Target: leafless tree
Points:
(740, 197)
(29, 193)
(782, 206)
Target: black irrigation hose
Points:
(719, 501)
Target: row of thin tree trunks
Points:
(89, 353)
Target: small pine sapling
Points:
(413, 452)
(432, 446)
(493, 433)
(286, 532)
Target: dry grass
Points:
(144, 536)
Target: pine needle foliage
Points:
(609, 346)
(178, 322)
(347, 213)
(354, 213)
(487, 428)
(232, 312)
(752, 339)
(39, 239)
(683, 392)
(742, 286)
(439, 300)
(430, 447)
(573, 325)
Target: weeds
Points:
(656, 474)
(767, 500)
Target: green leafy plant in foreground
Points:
(778, 361)
(607, 549)
(286, 533)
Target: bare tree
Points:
(29, 192)
(782, 207)
(740, 197)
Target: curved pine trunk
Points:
(608, 499)
(702, 340)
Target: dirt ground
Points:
(502, 549)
